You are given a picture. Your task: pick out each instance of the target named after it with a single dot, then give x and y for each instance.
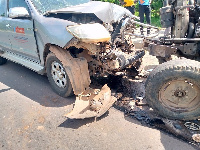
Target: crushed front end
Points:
(105, 43)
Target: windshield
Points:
(44, 6)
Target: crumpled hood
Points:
(107, 12)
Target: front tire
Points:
(173, 89)
(57, 76)
(2, 61)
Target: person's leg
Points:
(131, 9)
(141, 15)
(148, 16)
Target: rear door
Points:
(21, 32)
(5, 43)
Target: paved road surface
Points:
(32, 119)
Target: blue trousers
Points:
(145, 10)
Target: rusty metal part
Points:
(129, 24)
(167, 16)
(76, 68)
(182, 19)
(124, 62)
(86, 55)
(190, 49)
(161, 50)
(180, 95)
(192, 126)
(184, 7)
(92, 103)
(132, 21)
(124, 59)
(182, 40)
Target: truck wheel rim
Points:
(180, 95)
(58, 74)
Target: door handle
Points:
(8, 26)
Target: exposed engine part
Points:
(129, 21)
(197, 29)
(161, 50)
(182, 23)
(167, 16)
(125, 60)
(104, 57)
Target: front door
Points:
(5, 43)
(21, 32)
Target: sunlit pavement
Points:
(32, 118)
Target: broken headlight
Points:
(90, 33)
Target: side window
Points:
(2, 8)
(17, 3)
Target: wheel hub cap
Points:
(58, 74)
(179, 95)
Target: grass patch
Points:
(155, 21)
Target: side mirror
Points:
(16, 12)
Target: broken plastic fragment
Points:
(92, 103)
(90, 33)
(196, 137)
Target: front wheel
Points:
(57, 76)
(173, 89)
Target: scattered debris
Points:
(192, 126)
(92, 103)
(131, 100)
(196, 137)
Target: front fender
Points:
(76, 68)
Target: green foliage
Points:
(155, 10)
(111, 1)
(155, 21)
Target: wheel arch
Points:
(76, 68)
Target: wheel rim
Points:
(58, 74)
(180, 95)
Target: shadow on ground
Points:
(77, 123)
(31, 85)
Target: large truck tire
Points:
(57, 76)
(173, 89)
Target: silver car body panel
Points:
(107, 12)
(33, 34)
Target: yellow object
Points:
(129, 3)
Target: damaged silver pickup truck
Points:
(69, 41)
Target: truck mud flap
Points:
(92, 103)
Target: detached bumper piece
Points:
(92, 103)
